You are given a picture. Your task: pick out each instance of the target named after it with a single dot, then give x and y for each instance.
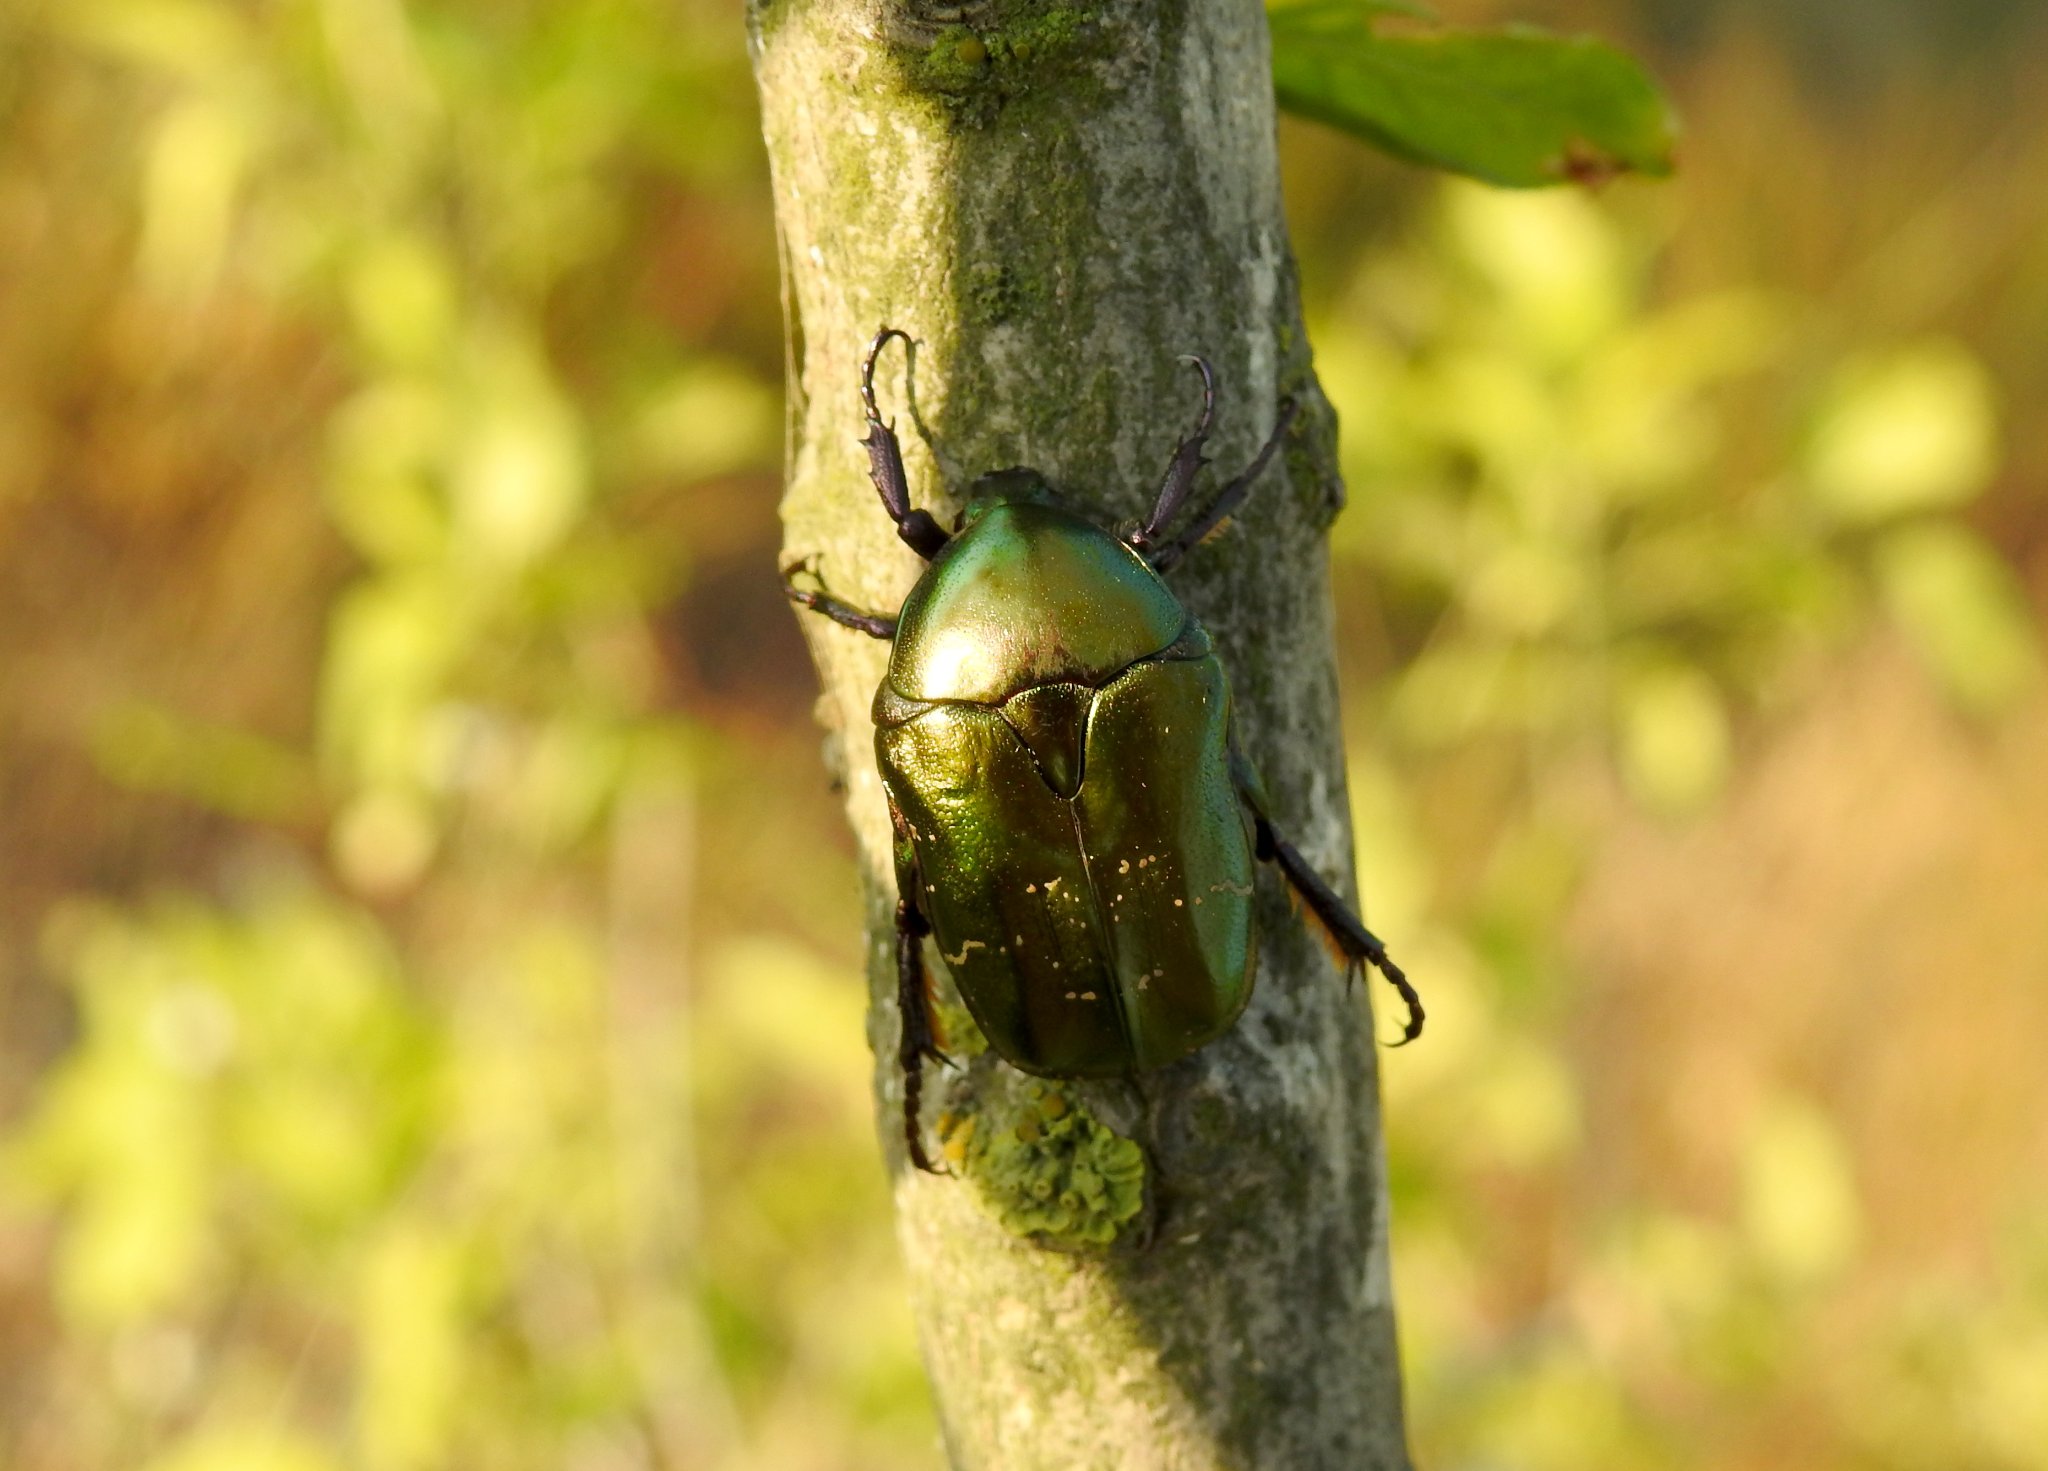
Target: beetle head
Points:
(1014, 486)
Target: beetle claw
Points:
(867, 371)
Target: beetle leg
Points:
(1186, 463)
(1225, 500)
(914, 1043)
(1359, 945)
(885, 461)
(871, 624)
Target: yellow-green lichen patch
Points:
(954, 61)
(1049, 1169)
(1009, 50)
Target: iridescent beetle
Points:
(1075, 823)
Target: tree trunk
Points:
(1055, 203)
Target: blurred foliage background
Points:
(430, 1024)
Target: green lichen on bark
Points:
(996, 54)
(1050, 1171)
(1056, 215)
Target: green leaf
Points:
(1517, 107)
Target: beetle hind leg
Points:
(1340, 929)
(915, 1042)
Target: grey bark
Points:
(1056, 203)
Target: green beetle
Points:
(1075, 824)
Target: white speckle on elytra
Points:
(1031, 888)
(1179, 903)
(1124, 867)
(1071, 996)
(1087, 995)
(965, 946)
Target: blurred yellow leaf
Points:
(304, 1138)
(1562, 1412)
(1488, 400)
(709, 419)
(383, 840)
(780, 1010)
(1964, 612)
(518, 478)
(256, 1447)
(570, 772)
(1526, 589)
(1525, 1107)
(1450, 691)
(1641, 418)
(136, 1176)
(1675, 748)
(392, 641)
(1801, 1213)
(193, 37)
(1912, 430)
(402, 297)
(411, 1344)
(152, 749)
(385, 446)
(1553, 258)
(194, 166)
(373, 47)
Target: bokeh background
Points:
(430, 1014)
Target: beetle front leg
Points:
(885, 462)
(914, 1020)
(1346, 931)
(1185, 465)
(871, 624)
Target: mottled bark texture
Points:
(1056, 202)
